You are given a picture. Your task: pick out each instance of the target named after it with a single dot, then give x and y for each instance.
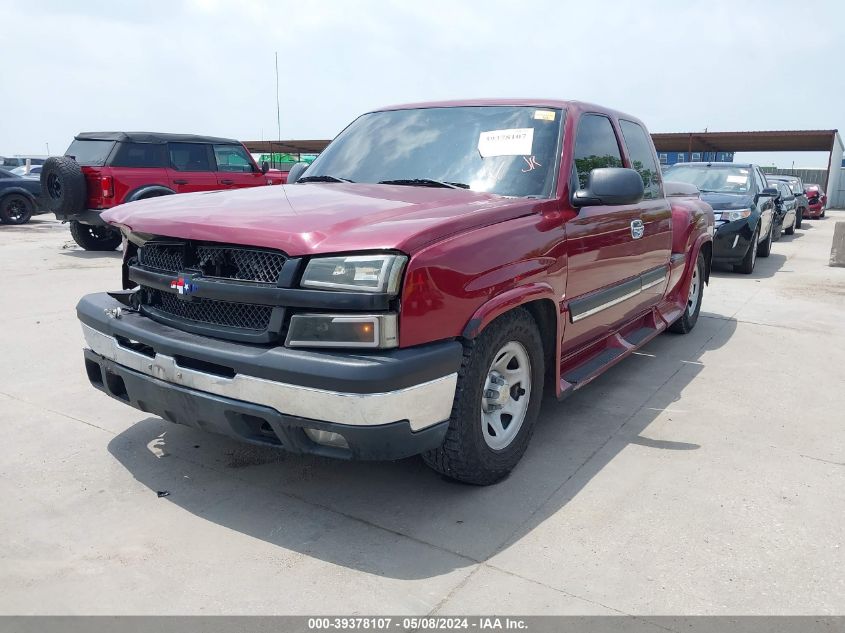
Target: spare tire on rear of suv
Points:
(63, 186)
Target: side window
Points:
(232, 158)
(642, 157)
(595, 146)
(139, 155)
(759, 180)
(189, 157)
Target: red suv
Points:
(817, 198)
(103, 169)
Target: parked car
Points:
(817, 201)
(785, 210)
(409, 299)
(744, 207)
(34, 170)
(101, 170)
(797, 187)
(19, 198)
(10, 162)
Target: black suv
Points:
(744, 205)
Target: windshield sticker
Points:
(544, 115)
(531, 163)
(514, 142)
(741, 180)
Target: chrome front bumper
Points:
(422, 405)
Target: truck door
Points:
(235, 168)
(607, 249)
(191, 168)
(654, 248)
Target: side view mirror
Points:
(770, 191)
(296, 172)
(265, 167)
(610, 185)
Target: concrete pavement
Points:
(705, 475)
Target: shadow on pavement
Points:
(355, 514)
(764, 268)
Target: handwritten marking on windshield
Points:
(532, 164)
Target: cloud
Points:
(207, 66)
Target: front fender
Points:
(504, 302)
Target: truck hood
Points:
(728, 201)
(312, 218)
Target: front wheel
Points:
(95, 238)
(15, 209)
(747, 265)
(500, 387)
(799, 215)
(793, 226)
(694, 296)
(765, 247)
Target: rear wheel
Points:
(750, 259)
(500, 387)
(696, 292)
(95, 238)
(15, 209)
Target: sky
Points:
(207, 66)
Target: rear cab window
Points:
(642, 157)
(90, 153)
(232, 158)
(189, 157)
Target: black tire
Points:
(465, 454)
(63, 186)
(748, 262)
(15, 208)
(95, 238)
(822, 214)
(764, 249)
(690, 316)
(799, 216)
(792, 227)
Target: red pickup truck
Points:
(413, 292)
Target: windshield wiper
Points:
(325, 178)
(424, 182)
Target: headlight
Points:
(736, 214)
(364, 273)
(343, 330)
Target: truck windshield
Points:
(506, 150)
(712, 179)
(90, 153)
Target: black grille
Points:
(163, 256)
(214, 260)
(244, 264)
(246, 316)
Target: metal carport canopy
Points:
(286, 147)
(764, 141)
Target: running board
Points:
(614, 349)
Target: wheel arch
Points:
(4, 193)
(147, 191)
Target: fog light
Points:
(327, 438)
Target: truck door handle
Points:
(180, 182)
(227, 182)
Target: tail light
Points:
(107, 183)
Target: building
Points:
(670, 158)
